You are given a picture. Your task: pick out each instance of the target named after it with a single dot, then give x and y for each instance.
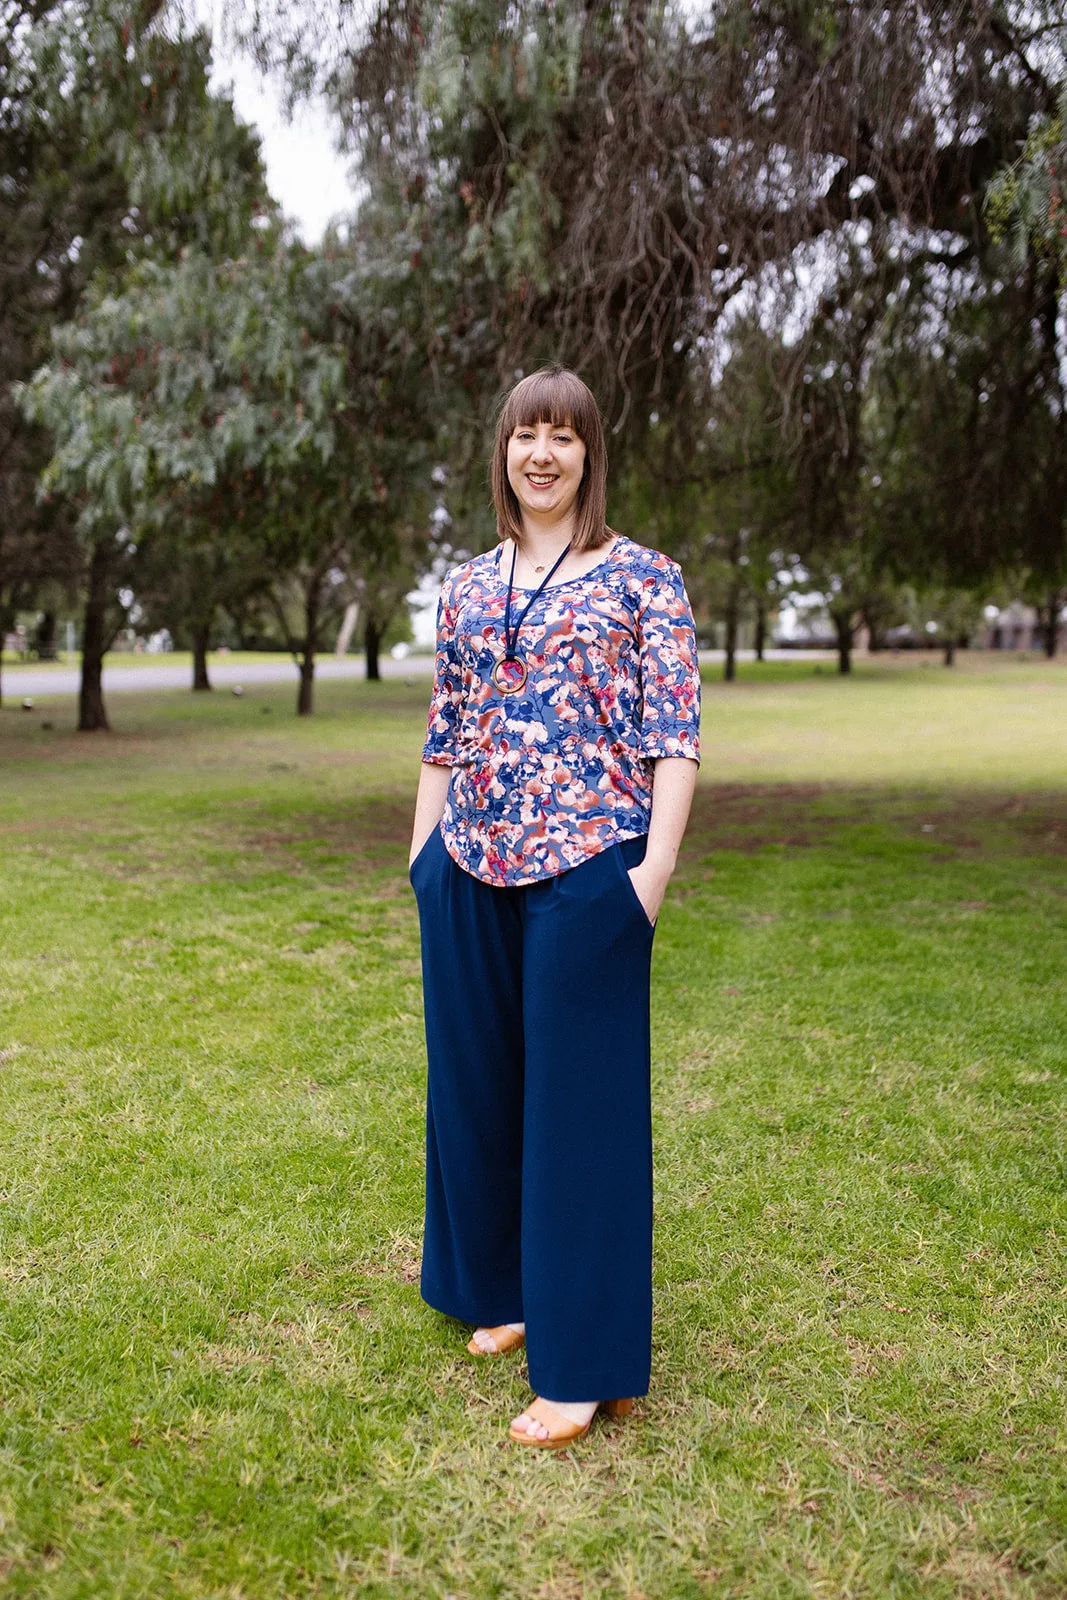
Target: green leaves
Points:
(113, 152)
(196, 370)
(1026, 203)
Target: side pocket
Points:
(435, 832)
(635, 898)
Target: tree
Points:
(256, 423)
(970, 434)
(606, 176)
(601, 184)
(948, 617)
(1027, 199)
(197, 390)
(111, 147)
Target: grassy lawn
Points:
(217, 1380)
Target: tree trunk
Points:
(201, 637)
(950, 650)
(731, 620)
(761, 629)
(305, 693)
(843, 628)
(372, 643)
(7, 619)
(348, 628)
(46, 637)
(1050, 624)
(92, 717)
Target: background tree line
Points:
(811, 256)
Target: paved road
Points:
(160, 674)
(38, 682)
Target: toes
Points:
(531, 1426)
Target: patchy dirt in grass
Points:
(369, 831)
(738, 817)
(371, 835)
(751, 817)
(401, 1260)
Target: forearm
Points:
(672, 795)
(429, 804)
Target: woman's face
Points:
(545, 466)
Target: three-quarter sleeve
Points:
(670, 671)
(441, 747)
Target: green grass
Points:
(217, 1381)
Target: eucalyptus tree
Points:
(254, 426)
(600, 184)
(184, 410)
(972, 437)
(1027, 199)
(710, 482)
(112, 147)
(604, 176)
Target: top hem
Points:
(541, 877)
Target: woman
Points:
(566, 677)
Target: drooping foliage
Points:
(112, 149)
(611, 174)
(771, 233)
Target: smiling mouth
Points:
(540, 481)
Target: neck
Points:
(545, 538)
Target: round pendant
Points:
(510, 675)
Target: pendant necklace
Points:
(510, 673)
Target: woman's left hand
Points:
(650, 885)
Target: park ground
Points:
(217, 1380)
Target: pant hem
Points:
(480, 1319)
(605, 1387)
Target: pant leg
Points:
(587, 1143)
(472, 988)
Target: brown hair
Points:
(559, 397)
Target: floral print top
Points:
(544, 778)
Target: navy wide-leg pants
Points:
(538, 1122)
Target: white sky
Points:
(304, 172)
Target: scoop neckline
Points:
(549, 587)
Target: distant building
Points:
(1017, 627)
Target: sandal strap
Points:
(504, 1339)
(559, 1426)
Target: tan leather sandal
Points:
(561, 1430)
(504, 1338)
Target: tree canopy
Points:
(810, 256)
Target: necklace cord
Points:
(511, 635)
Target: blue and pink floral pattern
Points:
(547, 777)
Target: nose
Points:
(542, 449)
